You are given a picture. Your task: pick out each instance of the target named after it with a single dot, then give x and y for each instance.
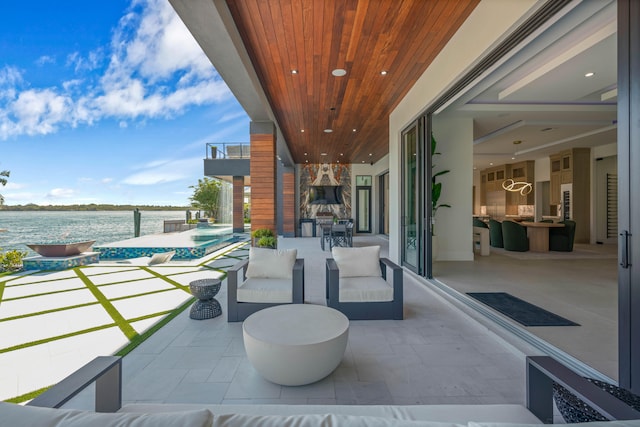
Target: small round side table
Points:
(207, 307)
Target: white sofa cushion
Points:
(358, 262)
(271, 263)
(266, 290)
(319, 420)
(18, 415)
(365, 289)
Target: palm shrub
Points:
(11, 260)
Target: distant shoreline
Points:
(90, 207)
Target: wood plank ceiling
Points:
(296, 44)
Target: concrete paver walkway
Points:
(51, 323)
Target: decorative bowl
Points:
(61, 249)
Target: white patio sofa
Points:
(106, 373)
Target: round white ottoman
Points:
(295, 344)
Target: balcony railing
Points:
(228, 150)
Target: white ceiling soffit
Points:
(562, 69)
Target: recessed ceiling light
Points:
(370, 154)
(513, 158)
(490, 164)
(302, 130)
(342, 154)
(328, 130)
(354, 130)
(363, 161)
(339, 72)
(337, 161)
(323, 154)
(294, 71)
(306, 161)
(517, 142)
(305, 154)
(590, 74)
(383, 72)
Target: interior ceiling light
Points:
(590, 74)
(354, 130)
(339, 72)
(294, 71)
(302, 130)
(383, 72)
(323, 154)
(490, 164)
(305, 154)
(513, 158)
(328, 130)
(370, 154)
(517, 142)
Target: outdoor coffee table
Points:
(207, 307)
(295, 344)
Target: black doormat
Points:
(521, 311)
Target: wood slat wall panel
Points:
(263, 181)
(361, 36)
(289, 203)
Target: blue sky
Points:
(107, 102)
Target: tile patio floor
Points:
(437, 355)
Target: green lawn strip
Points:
(35, 282)
(53, 310)
(28, 396)
(140, 338)
(124, 326)
(166, 279)
(42, 294)
(56, 338)
(1, 290)
(133, 343)
(142, 294)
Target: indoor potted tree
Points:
(436, 192)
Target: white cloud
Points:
(45, 59)
(106, 180)
(162, 171)
(61, 193)
(153, 68)
(13, 186)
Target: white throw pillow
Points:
(17, 415)
(358, 262)
(161, 258)
(271, 263)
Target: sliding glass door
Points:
(412, 232)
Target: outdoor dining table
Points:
(538, 234)
(336, 235)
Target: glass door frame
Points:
(359, 207)
(419, 240)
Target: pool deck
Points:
(438, 354)
(183, 243)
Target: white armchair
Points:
(362, 285)
(269, 277)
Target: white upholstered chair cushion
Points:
(358, 262)
(271, 263)
(365, 289)
(265, 290)
(18, 415)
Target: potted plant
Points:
(263, 233)
(436, 187)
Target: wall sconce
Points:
(522, 187)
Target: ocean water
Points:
(72, 226)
